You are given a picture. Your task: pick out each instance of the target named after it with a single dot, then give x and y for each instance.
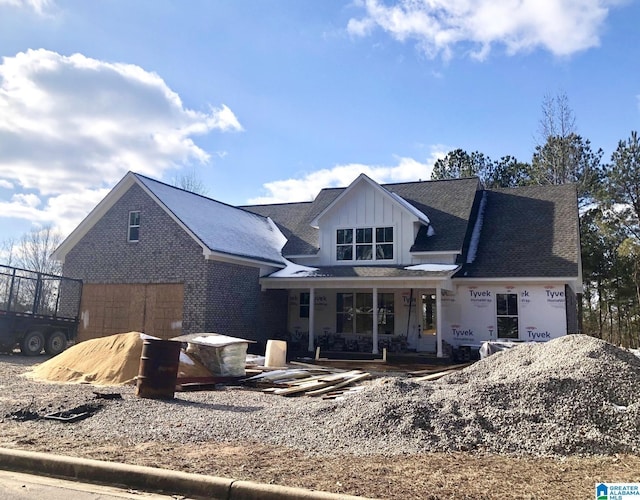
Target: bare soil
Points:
(429, 476)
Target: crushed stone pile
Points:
(572, 395)
(112, 360)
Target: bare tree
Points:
(561, 155)
(34, 250)
(190, 181)
(7, 251)
(558, 119)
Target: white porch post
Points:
(375, 322)
(438, 322)
(312, 315)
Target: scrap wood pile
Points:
(436, 373)
(309, 380)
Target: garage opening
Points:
(152, 308)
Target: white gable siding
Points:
(365, 206)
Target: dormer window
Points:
(369, 243)
(134, 227)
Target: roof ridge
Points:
(198, 195)
(276, 204)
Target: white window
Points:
(369, 243)
(134, 226)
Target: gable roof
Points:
(236, 233)
(448, 205)
(528, 231)
(364, 179)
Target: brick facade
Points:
(218, 297)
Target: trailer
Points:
(37, 311)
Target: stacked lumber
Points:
(436, 373)
(309, 381)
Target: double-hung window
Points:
(507, 315)
(369, 243)
(134, 227)
(344, 247)
(304, 304)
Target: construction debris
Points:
(112, 360)
(221, 354)
(311, 381)
(436, 373)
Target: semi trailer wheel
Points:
(32, 343)
(55, 343)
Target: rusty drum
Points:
(158, 371)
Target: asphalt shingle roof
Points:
(221, 227)
(448, 204)
(528, 231)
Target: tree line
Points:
(609, 208)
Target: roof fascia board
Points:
(516, 279)
(364, 178)
(94, 216)
(352, 283)
(243, 261)
(443, 252)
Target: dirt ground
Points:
(427, 476)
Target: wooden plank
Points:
(338, 376)
(289, 391)
(429, 371)
(351, 380)
(317, 367)
(434, 376)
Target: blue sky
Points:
(269, 101)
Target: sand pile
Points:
(572, 395)
(113, 360)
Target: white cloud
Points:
(5, 184)
(438, 26)
(26, 200)
(71, 126)
(39, 6)
(307, 187)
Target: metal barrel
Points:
(158, 371)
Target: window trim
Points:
(509, 315)
(132, 226)
(304, 306)
(352, 248)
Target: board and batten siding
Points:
(365, 206)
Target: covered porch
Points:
(366, 309)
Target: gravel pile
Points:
(573, 395)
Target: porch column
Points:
(312, 315)
(438, 322)
(375, 322)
